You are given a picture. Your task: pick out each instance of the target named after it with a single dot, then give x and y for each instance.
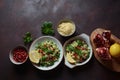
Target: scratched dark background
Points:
(20, 16)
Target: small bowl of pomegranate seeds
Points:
(18, 55)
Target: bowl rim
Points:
(11, 54)
(58, 44)
(84, 37)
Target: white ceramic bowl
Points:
(11, 55)
(85, 38)
(44, 38)
(65, 30)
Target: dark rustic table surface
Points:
(20, 16)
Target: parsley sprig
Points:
(27, 38)
(47, 28)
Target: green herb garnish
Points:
(47, 28)
(27, 38)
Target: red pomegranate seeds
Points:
(20, 54)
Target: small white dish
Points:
(11, 54)
(59, 45)
(85, 38)
(66, 27)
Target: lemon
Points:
(69, 58)
(115, 50)
(34, 56)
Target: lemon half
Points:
(115, 50)
(69, 58)
(34, 56)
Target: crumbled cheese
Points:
(66, 28)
